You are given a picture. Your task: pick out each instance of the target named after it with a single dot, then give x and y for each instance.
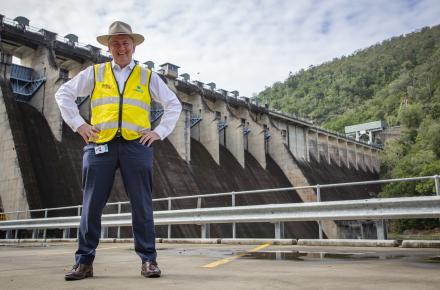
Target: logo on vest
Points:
(139, 89)
(107, 86)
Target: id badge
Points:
(101, 149)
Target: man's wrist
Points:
(157, 131)
(76, 122)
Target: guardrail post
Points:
(118, 235)
(206, 231)
(279, 230)
(169, 226)
(321, 236)
(104, 232)
(437, 184)
(362, 231)
(45, 230)
(381, 229)
(8, 234)
(34, 234)
(77, 229)
(16, 234)
(318, 193)
(318, 199)
(66, 233)
(205, 228)
(234, 230)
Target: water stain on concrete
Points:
(303, 256)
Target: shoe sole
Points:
(152, 275)
(78, 278)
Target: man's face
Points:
(121, 47)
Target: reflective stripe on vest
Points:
(115, 100)
(113, 125)
(144, 76)
(106, 101)
(101, 68)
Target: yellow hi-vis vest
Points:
(127, 113)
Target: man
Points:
(118, 136)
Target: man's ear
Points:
(134, 48)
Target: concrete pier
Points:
(12, 191)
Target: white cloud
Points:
(242, 45)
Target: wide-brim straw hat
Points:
(120, 28)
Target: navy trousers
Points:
(135, 162)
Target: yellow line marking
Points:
(227, 260)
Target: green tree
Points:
(397, 81)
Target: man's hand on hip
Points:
(87, 132)
(148, 137)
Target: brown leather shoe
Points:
(150, 270)
(79, 271)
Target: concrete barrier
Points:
(420, 244)
(73, 240)
(191, 241)
(348, 243)
(102, 240)
(300, 242)
(107, 240)
(19, 241)
(131, 240)
(16, 241)
(258, 241)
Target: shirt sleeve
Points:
(171, 106)
(79, 86)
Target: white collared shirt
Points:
(82, 85)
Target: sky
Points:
(243, 45)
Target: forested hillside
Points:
(397, 81)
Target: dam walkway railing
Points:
(364, 209)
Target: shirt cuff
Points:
(159, 131)
(76, 122)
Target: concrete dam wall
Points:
(222, 143)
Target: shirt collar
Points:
(130, 65)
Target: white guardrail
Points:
(369, 209)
